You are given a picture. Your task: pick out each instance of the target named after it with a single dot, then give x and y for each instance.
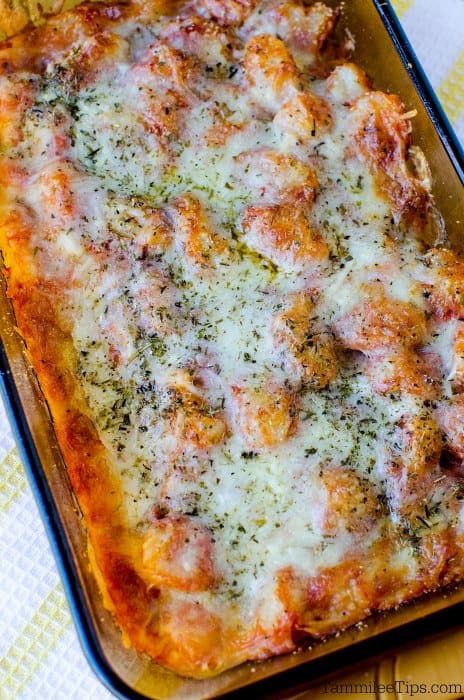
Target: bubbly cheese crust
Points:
(213, 235)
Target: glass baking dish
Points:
(384, 52)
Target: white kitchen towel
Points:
(40, 655)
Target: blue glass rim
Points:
(427, 94)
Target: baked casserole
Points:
(233, 284)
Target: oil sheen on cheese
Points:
(142, 319)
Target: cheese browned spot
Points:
(212, 241)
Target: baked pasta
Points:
(214, 237)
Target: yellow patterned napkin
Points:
(40, 656)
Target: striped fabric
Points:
(40, 655)
(436, 31)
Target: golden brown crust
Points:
(12, 19)
(50, 349)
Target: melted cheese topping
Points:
(249, 378)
